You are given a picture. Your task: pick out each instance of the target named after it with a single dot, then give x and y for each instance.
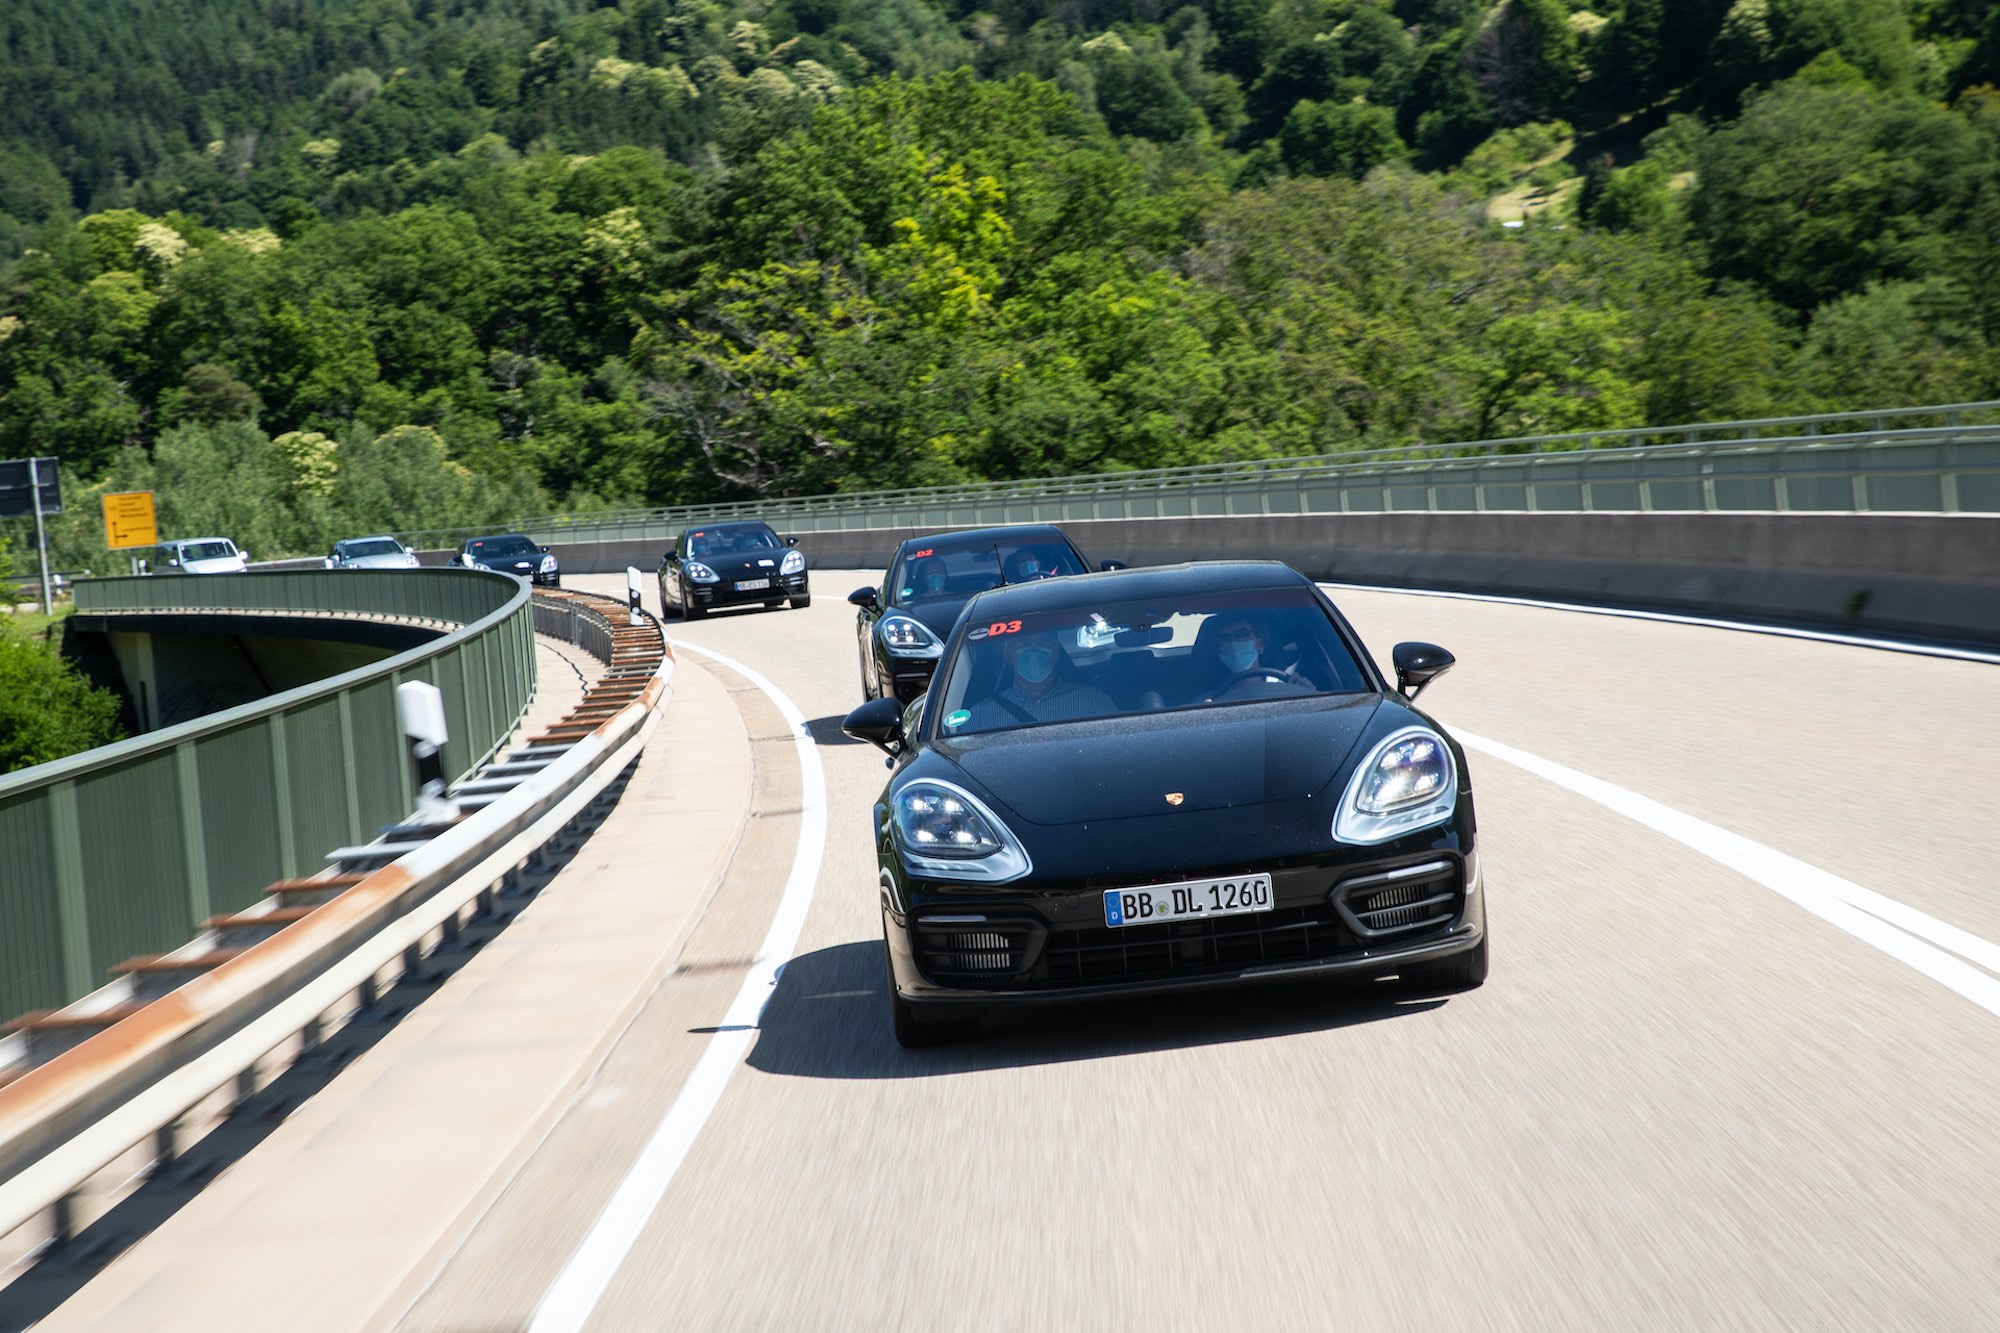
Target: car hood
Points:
(1220, 759)
(937, 614)
(229, 564)
(376, 562)
(509, 564)
(754, 565)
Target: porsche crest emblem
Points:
(1175, 798)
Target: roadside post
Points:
(420, 709)
(632, 596)
(33, 485)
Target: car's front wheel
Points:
(1466, 971)
(912, 1031)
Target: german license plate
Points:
(1194, 898)
(751, 585)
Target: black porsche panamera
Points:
(1190, 775)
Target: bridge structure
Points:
(1878, 529)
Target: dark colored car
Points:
(732, 564)
(509, 553)
(901, 626)
(1186, 776)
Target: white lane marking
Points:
(585, 1278)
(1890, 926)
(1705, 622)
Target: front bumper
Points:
(726, 593)
(910, 677)
(991, 948)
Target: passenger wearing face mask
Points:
(1036, 690)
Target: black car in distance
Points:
(901, 625)
(732, 564)
(509, 553)
(1184, 776)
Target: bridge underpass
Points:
(1702, 1088)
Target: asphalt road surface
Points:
(1737, 1065)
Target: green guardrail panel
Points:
(121, 850)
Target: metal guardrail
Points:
(573, 622)
(1943, 459)
(138, 1080)
(127, 848)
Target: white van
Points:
(199, 555)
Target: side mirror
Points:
(1111, 564)
(1417, 665)
(545, 550)
(880, 723)
(791, 541)
(864, 598)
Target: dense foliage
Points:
(48, 709)
(307, 268)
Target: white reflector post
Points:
(420, 708)
(632, 596)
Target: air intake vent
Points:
(1406, 901)
(975, 950)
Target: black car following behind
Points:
(1183, 776)
(732, 564)
(901, 625)
(509, 553)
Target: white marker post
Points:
(420, 708)
(632, 596)
(41, 534)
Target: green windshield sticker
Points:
(958, 719)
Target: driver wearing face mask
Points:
(1239, 654)
(1037, 691)
(930, 579)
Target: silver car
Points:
(370, 553)
(199, 555)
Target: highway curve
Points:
(1720, 1078)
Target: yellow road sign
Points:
(128, 520)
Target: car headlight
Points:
(944, 831)
(410, 559)
(548, 564)
(328, 562)
(907, 637)
(700, 573)
(793, 563)
(1408, 782)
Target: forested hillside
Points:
(313, 267)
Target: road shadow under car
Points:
(829, 1018)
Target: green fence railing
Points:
(127, 848)
(1943, 459)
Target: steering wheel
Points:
(1268, 675)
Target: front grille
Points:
(1405, 901)
(1295, 934)
(975, 950)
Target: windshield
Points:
(961, 569)
(208, 551)
(1200, 651)
(731, 541)
(369, 546)
(489, 548)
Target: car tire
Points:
(1466, 971)
(914, 1033)
(868, 690)
(802, 601)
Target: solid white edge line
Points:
(1843, 904)
(581, 1284)
(1914, 647)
